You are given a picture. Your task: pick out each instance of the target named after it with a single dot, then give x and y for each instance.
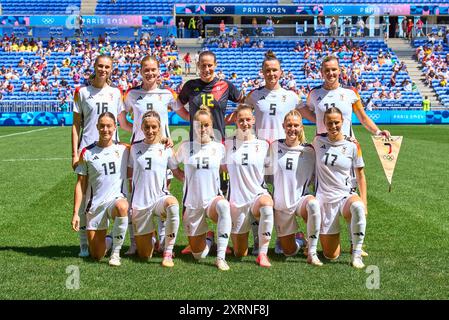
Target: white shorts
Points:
(330, 215)
(194, 220)
(143, 219)
(241, 216)
(99, 218)
(285, 220)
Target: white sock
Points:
(119, 233)
(202, 255)
(224, 226)
(313, 224)
(350, 233)
(172, 224)
(82, 231)
(265, 228)
(161, 230)
(358, 225)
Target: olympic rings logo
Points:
(48, 20)
(219, 9)
(375, 116)
(388, 157)
(337, 10)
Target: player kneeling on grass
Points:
(147, 166)
(336, 157)
(202, 159)
(246, 157)
(293, 167)
(102, 173)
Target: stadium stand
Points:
(367, 1)
(301, 63)
(38, 7)
(51, 70)
(434, 58)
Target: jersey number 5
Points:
(102, 107)
(207, 99)
(272, 109)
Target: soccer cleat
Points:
(314, 260)
(167, 260)
(84, 251)
(221, 264)
(357, 262)
(263, 261)
(132, 249)
(277, 247)
(364, 254)
(115, 260)
(186, 250)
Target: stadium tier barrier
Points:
(380, 117)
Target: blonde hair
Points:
(150, 58)
(203, 110)
(153, 114)
(295, 113)
(244, 106)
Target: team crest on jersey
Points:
(257, 148)
(160, 97)
(342, 97)
(111, 96)
(284, 98)
(343, 150)
(117, 154)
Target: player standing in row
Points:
(336, 157)
(202, 159)
(293, 162)
(147, 164)
(102, 170)
(271, 103)
(141, 99)
(212, 92)
(333, 94)
(246, 158)
(89, 102)
(346, 99)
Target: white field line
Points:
(36, 159)
(25, 132)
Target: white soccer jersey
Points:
(293, 171)
(149, 163)
(140, 101)
(90, 102)
(270, 108)
(202, 172)
(344, 98)
(246, 162)
(106, 169)
(335, 162)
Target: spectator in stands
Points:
(222, 28)
(398, 94)
(375, 94)
(347, 26)
(419, 25)
(404, 27)
(187, 62)
(360, 27)
(410, 29)
(10, 87)
(25, 87)
(255, 26)
(333, 27)
(260, 43)
(383, 94)
(200, 26)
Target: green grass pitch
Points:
(407, 234)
